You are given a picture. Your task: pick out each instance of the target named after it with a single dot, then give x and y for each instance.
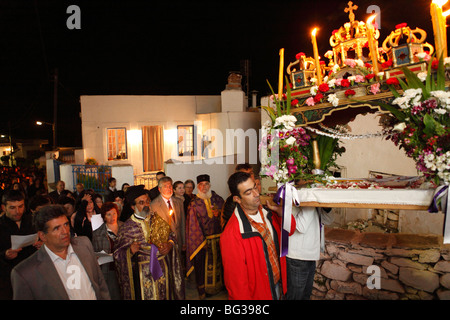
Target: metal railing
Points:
(147, 179)
(92, 177)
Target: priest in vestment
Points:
(203, 239)
(146, 255)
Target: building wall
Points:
(133, 112)
(373, 154)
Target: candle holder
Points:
(403, 45)
(302, 78)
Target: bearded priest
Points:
(146, 256)
(202, 238)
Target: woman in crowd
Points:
(85, 210)
(69, 204)
(178, 189)
(103, 239)
(98, 200)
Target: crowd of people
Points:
(138, 244)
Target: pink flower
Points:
(359, 78)
(375, 88)
(292, 169)
(350, 62)
(290, 161)
(310, 101)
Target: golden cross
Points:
(350, 9)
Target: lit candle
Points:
(170, 217)
(439, 27)
(280, 76)
(372, 43)
(316, 57)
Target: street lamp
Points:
(40, 123)
(11, 149)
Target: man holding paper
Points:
(64, 268)
(15, 225)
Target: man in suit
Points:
(154, 192)
(171, 209)
(60, 187)
(63, 268)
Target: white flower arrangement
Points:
(333, 99)
(285, 122)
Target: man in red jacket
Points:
(250, 246)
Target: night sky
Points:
(131, 47)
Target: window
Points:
(186, 141)
(153, 148)
(117, 143)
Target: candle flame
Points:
(170, 212)
(446, 13)
(440, 3)
(370, 20)
(314, 32)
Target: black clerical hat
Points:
(134, 192)
(202, 177)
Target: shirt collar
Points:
(55, 257)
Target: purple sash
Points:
(155, 267)
(289, 193)
(441, 199)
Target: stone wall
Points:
(411, 267)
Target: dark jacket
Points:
(36, 278)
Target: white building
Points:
(182, 135)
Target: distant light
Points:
(2, 136)
(39, 123)
(134, 137)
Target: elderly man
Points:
(171, 209)
(202, 238)
(146, 254)
(64, 267)
(60, 187)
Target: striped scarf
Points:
(267, 236)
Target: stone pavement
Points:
(192, 294)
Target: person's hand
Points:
(37, 244)
(165, 248)
(12, 253)
(86, 197)
(135, 246)
(275, 208)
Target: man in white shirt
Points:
(304, 250)
(63, 268)
(305, 245)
